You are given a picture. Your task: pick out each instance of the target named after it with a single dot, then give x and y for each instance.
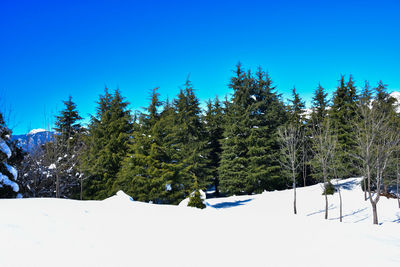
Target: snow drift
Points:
(256, 230)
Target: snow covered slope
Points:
(257, 230)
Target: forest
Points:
(241, 144)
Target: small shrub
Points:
(196, 201)
(329, 188)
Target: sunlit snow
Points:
(252, 230)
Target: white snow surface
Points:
(35, 131)
(4, 148)
(256, 230)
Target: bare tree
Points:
(324, 145)
(291, 139)
(377, 139)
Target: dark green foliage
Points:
(329, 188)
(67, 122)
(214, 128)
(342, 112)
(106, 145)
(196, 201)
(188, 141)
(296, 109)
(249, 160)
(148, 172)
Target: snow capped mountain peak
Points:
(35, 131)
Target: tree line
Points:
(246, 143)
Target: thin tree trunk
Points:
(304, 167)
(374, 212)
(57, 186)
(81, 188)
(340, 199)
(294, 202)
(365, 190)
(397, 187)
(326, 205)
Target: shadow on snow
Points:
(347, 185)
(232, 204)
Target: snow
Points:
(35, 131)
(12, 170)
(4, 148)
(256, 230)
(52, 166)
(4, 180)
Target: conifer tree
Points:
(249, 161)
(147, 171)
(214, 128)
(319, 106)
(342, 112)
(106, 145)
(67, 122)
(9, 155)
(188, 140)
(296, 108)
(234, 160)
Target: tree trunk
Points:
(57, 186)
(304, 167)
(365, 190)
(340, 201)
(81, 188)
(397, 185)
(397, 188)
(326, 206)
(374, 212)
(294, 202)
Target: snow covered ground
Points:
(257, 230)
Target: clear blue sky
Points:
(52, 49)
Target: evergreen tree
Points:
(9, 155)
(319, 106)
(188, 141)
(249, 161)
(214, 127)
(234, 164)
(342, 112)
(67, 122)
(62, 153)
(147, 171)
(296, 109)
(106, 145)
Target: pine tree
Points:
(214, 128)
(188, 141)
(9, 155)
(319, 106)
(296, 109)
(249, 161)
(234, 164)
(62, 153)
(342, 112)
(147, 171)
(67, 122)
(106, 145)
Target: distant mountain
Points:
(31, 141)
